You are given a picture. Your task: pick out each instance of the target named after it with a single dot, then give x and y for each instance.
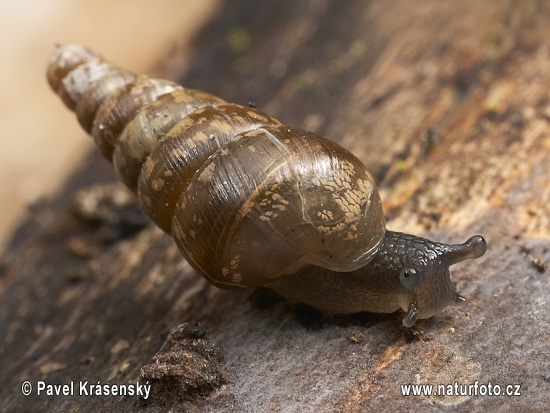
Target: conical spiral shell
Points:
(247, 198)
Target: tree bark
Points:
(445, 102)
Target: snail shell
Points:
(251, 201)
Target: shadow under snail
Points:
(253, 202)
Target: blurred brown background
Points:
(41, 140)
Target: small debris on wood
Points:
(414, 333)
(356, 337)
(98, 202)
(540, 265)
(189, 366)
(111, 210)
(536, 260)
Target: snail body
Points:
(251, 201)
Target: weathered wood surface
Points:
(446, 102)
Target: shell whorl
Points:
(247, 198)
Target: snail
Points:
(253, 202)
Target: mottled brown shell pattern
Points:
(247, 198)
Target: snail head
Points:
(425, 275)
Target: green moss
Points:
(239, 40)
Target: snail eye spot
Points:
(410, 278)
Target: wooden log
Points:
(446, 102)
